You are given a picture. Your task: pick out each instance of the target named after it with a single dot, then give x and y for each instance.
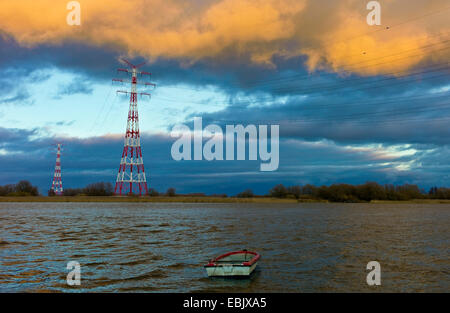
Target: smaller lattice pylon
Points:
(57, 182)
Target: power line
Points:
(299, 77)
(101, 110)
(396, 73)
(303, 76)
(371, 103)
(109, 111)
(355, 120)
(414, 109)
(326, 89)
(359, 81)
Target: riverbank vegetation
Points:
(21, 189)
(368, 192)
(95, 189)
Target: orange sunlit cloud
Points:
(332, 34)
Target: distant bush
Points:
(96, 189)
(279, 191)
(171, 192)
(295, 191)
(7, 190)
(153, 193)
(22, 188)
(99, 189)
(439, 193)
(245, 194)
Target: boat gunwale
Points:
(213, 263)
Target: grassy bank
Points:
(193, 199)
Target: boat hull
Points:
(232, 270)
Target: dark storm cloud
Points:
(286, 76)
(97, 63)
(74, 57)
(11, 136)
(231, 74)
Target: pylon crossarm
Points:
(120, 80)
(134, 93)
(128, 63)
(132, 65)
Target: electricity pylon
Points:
(131, 168)
(57, 182)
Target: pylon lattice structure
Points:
(131, 176)
(57, 182)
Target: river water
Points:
(162, 247)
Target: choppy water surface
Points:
(153, 247)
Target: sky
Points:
(354, 102)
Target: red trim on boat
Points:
(248, 263)
(252, 261)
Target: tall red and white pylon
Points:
(57, 182)
(131, 168)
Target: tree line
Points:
(333, 193)
(22, 188)
(106, 189)
(356, 193)
(94, 189)
(25, 188)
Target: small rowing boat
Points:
(237, 263)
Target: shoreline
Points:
(183, 199)
(193, 199)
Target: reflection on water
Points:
(151, 247)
